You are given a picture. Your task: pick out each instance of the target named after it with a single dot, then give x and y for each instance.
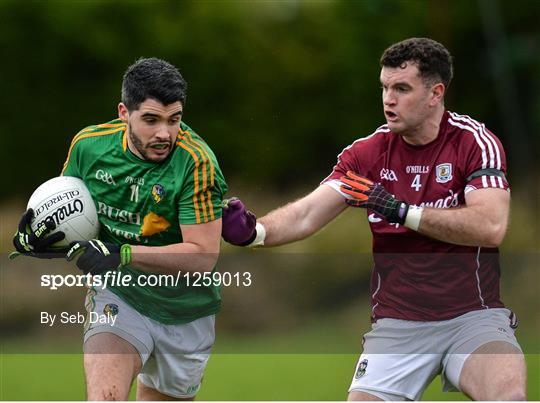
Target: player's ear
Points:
(123, 112)
(437, 93)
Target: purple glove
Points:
(238, 224)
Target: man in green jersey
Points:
(158, 190)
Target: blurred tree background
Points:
(278, 89)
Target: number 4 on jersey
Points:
(416, 183)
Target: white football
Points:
(68, 202)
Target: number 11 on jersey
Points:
(134, 193)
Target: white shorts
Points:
(173, 356)
(401, 357)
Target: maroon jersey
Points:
(416, 277)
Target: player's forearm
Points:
(286, 224)
(471, 226)
(170, 259)
(302, 218)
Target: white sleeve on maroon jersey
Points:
(347, 160)
(355, 157)
(484, 151)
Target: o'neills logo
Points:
(62, 213)
(67, 195)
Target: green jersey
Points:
(143, 203)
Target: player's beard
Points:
(141, 147)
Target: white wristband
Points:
(414, 215)
(259, 238)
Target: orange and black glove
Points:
(374, 196)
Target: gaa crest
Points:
(110, 309)
(158, 192)
(443, 172)
(361, 370)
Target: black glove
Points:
(374, 196)
(34, 243)
(96, 257)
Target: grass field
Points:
(228, 377)
(310, 362)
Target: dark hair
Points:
(152, 78)
(434, 60)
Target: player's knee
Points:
(360, 396)
(511, 388)
(108, 393)
(515, 393)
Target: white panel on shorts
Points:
(128, 324)
(177, 364)
(174, 357)
(404, 356)
(483, 327)
(404, 375)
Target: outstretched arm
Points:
(303, 217)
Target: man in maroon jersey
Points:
(433, 183)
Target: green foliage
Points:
(274, 85)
